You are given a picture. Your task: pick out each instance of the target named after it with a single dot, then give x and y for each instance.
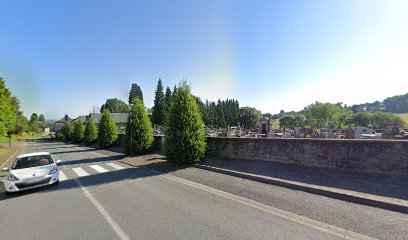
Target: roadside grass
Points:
(404, 117)
(24, 136)
(275, 124)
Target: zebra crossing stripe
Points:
(80, 172)
(115, 166)
(99, 168)
(62, 176)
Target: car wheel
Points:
(9, 193)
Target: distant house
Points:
(119, 118)
(60, 123)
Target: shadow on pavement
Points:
(128, 174)
(318, 176)
(92, 160)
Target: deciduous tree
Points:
(250, 117)
(115, 105)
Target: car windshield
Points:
(32, 161)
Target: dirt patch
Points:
(145, 160)
(6, 152)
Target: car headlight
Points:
(11, 177)
(53, 170)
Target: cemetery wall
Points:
(372, 157)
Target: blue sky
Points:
(63, 57)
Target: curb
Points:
(402, 208)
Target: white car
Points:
(31, 170)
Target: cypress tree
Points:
(139, 134)
(66, 132)
(159, 105)
(184, 137)
(135, 92)
(167, 98)
(108, 132)
(79, 131)
(91, 133)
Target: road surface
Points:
(100, 198)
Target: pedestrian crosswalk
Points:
(67, 173)
(62, 176)
(80, 172)
(99, 168)
(115, 166)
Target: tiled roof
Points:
(81, 118)
(117, 117)
(64, 120)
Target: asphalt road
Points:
(100, 198)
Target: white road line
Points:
(115, 166)
(118, 230)
(323, 227)
(80, 172)
(99, 168)
(62, 176)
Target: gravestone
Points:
(330, 134)
(350, 134)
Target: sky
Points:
(64, 57)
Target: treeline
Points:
(336, 116)
(395, 104)
(12, 119)
(218, 114)
(178, 110)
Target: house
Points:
(81, 118)
(119, 118)
(60, 123)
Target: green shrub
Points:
(91, 133)
(79, 131)
(184, 138)
(66, 132)
(107, 132)
(139, 129)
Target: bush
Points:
(79, 131)
(91, 133)
(184, 138)
(108, 132)
(139, 128)
(66, 132)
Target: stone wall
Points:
(373, 157)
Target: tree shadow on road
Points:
(124, 175)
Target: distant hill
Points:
(395, 104)
(50, 121)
